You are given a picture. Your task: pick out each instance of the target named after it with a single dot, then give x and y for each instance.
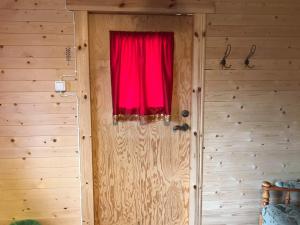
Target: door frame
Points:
(84, 120)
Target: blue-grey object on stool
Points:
(281, 215)
(25, 222)
(288, 184)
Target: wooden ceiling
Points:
(144, 6)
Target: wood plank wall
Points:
(39, 164)
(251, 116)
(251, 120)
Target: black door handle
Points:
(183, 127)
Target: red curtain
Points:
(141, 73)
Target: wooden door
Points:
(141, 172)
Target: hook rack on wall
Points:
(223, 62)
(251, 53)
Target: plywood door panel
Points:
(141, 172)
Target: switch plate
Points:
(60, 86)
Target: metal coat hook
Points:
(223, 62)
(251, 53)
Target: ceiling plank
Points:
(144, 6)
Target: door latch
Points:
(183, 127)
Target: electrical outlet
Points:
(60, 86)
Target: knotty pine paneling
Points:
(251, 116)
(39, 156)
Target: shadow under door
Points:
(141, 172)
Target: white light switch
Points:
(60, 86)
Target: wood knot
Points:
(85, 96)
(85, 44)
(122, 4)
(79, 47)
(196, 34)
(172, 5)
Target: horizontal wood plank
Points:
(36, 74)
(48, 162)
(35, 97)
(34, 51)
(32, 4)
(156, 6)
(36, 15)
(36, 63)
(38, 141)
(40, 119)
(37, 39)
(34, 130)
(252, 20)
(38, 108)
(38, 152)
(36, 28)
